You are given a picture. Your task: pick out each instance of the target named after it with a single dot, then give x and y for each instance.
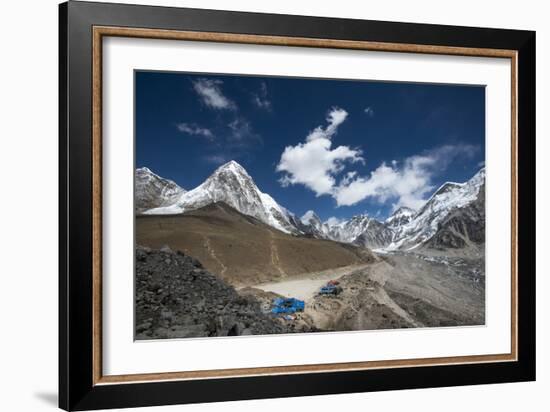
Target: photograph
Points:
(280, 205)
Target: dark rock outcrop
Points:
(377, 235)
(177, 298)
(153, 191)
(462, 227)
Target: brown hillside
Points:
(240, 248)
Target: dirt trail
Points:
(275, 255)
(383, 298)
(213, 255)
(306, 285)
(380, 273)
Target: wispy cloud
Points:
(369, 111)
(236, 139)
(210, 93)
(241, 134)
(314, 163)
(196, 130)
(261, 99)
(240, 129)
(217, 159)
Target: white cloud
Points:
(369, 111)
(332, 221)
(260, 99)
(210, 92)
(335, 118)
(314, 163)
(407, 184)
(348, 177)
(319, 167)
(217, 159)
(195, 130)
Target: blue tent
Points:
(287, 305)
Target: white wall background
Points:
(28, 203)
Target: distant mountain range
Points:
(453, 217)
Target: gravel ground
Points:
(177, 298)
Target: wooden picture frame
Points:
(83, 26)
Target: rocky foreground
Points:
(177, 298)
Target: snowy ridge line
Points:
(231, 184)
(405, 229)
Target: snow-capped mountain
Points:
(452, 204)
(311, 224)
(448, 198)
(152, 191)
(375, 236)
(231, 184)
(462, 228)
(361, 230)
(348, 230)
(311, 218)
(397, 221)
(400, 217)
(407, 229)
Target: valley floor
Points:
(306, 285)
(400, 290)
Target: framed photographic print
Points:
(257, 205)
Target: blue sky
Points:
(338, 147)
